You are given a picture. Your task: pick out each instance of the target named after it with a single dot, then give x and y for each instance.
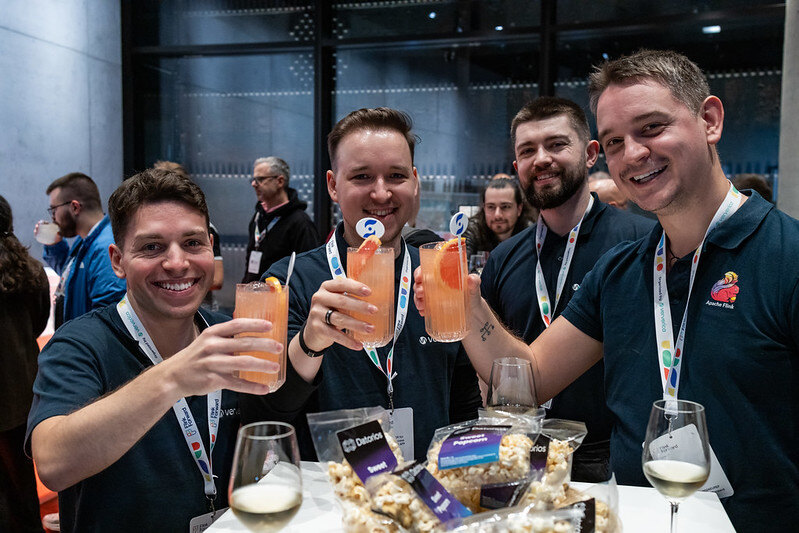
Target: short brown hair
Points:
(680, 75)
(174, 167)
(151, 186)
(546, 107)
(380, 118)
(80, 187)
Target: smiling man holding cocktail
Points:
(427, 384)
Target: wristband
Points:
(304, 347)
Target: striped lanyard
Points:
(337, 271)
(547, 310)
(181, 407)
(668, 359)
(258, 235)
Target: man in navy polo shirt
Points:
(431, 384)
(552, 142)
(124, 438)
(659, 127)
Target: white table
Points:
(640, 509)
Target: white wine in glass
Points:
(266, 483)
(676, 456)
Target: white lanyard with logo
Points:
(548, 310)
(181, 407)
(668, 359)
(337, 271)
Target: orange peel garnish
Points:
(274, 283)
(365, 252)
(449, 264)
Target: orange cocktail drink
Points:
(444, 274)
(266, 300)
(373, 265)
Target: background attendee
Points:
(503, 213)
(24, 309)
(87, 280)
(209, 302)
(554, 151)
(756, 182)
(280, 224)
(432, 383)
(607, 192)
(122, 390)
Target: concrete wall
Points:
(788, 199)
(60, 101)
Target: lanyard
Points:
(258, 236)
(548, 311)
(181, 407)
(670, 366)
(336, 270)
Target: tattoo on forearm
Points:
(485, 331)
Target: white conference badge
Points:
(401, 425)
(254, 265)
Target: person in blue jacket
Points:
(87, 279)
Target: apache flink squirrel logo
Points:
(726, 290)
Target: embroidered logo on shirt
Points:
(726, 290)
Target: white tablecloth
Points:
(640, 509)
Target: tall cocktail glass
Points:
(444, 274)
(375, 269)
(268, 301)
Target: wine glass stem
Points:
(673, 527)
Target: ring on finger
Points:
(327, 317)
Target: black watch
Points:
(304, 347)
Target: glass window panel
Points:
(216, 115)
(579, 11)
(742, 63)
(462, 100)
(359, 19)
(202, 22)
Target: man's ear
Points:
(331, 185)
(712, 113)
(591, 153)
(116, 260)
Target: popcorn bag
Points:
(362, 434)
(523, 520)
(491, 453)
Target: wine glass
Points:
(265, 483)
(511, 387)
(477, 262)
(676, 455)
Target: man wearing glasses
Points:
(87, 280)
(280, 224)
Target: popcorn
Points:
(464, 482)
(349, 489)
(396, 498)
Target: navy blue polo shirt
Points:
(436, 379)
(154, 486)
(508, 285)
(740, 359)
